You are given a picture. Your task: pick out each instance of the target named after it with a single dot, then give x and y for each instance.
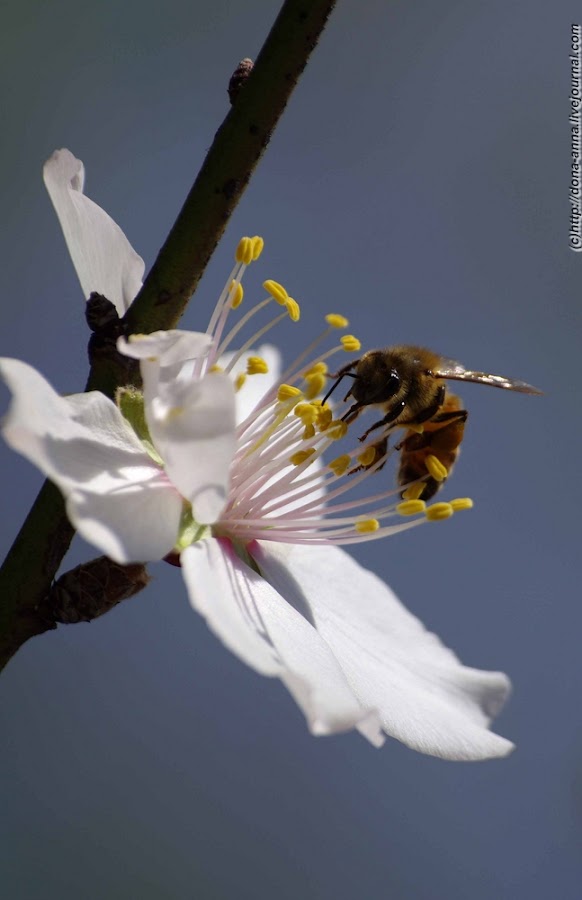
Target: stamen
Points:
(335, 320)
(247, 344)
(367, 525)
(340, 464)
(258, 244)
(350, 343)
(292, 372)
(411, 507)
(244, 251)
(315, 385)
(256, 365)
(438, 512)
(276, 493)
(286, 403)
(292, 308)
(306, 412)
(219, 312)
(461, 503)
(367, 457)
(276, 291)
(240, 324)
(236, 294)
(324, 417)
(414, 491)
(337, 430)
(301, 456)
(319, 368)
(435, 468)
(288, 392)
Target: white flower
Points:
(230, 476)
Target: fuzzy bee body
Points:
(409, 384)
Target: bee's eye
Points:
(393, 383)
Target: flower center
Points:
(281, 489)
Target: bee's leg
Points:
(352, 412)
(456, 415)
(434, 407)
(381, 449)
(361, 468)
(345, 370)
(390, 416)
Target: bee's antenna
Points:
(335, 384)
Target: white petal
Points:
(116, 497)
(191, 420)
(168, 347)
(104, 259)
(137, 521)
(192, 426)
(426, 698)
(248, 615)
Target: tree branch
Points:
(237, 147)
(33, 560)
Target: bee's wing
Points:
(450, 368)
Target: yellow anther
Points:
(439, 511)
(411, 507)
(216, 368)
(350, 343)
(418, 429)
(288, 392)
(315, 385)
(293, 309)
(258, 244)
(461, 503)
(244, 251)
(308, 432)
(276, 290)
(414, 491)
(236, 294)
(334, 320)
(256, 365)
(324, 417)
(301, 456)
(337, 430)
(435, 468)
(306, 412)
(367, 457)
(340, 464)
(319, 368)
(365, 526)
(239, 381)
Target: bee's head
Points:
(377, 378)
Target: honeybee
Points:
(408, 382)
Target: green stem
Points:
(33, 560)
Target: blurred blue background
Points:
(418, 183)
